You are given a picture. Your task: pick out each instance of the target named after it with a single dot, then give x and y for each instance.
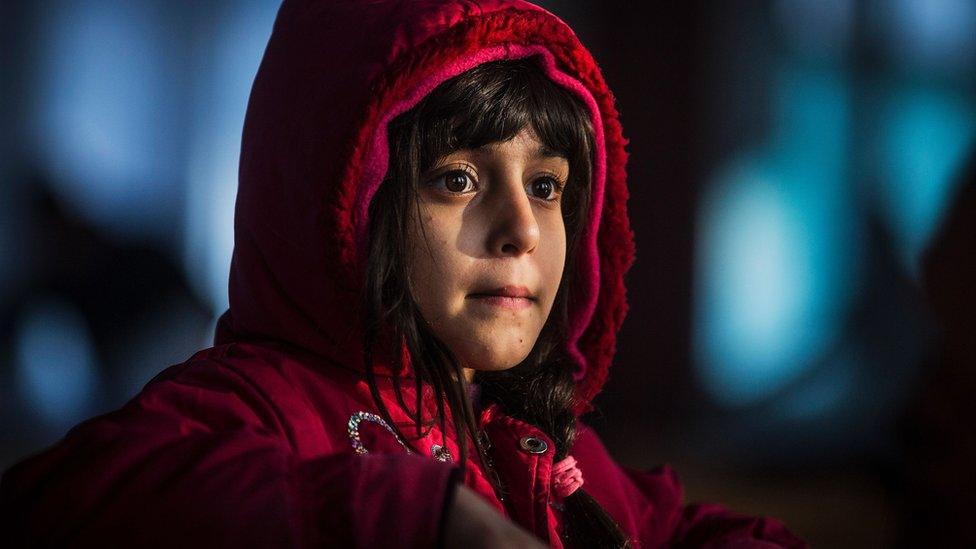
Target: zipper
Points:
(490, 465)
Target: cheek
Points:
(433, 269)
(553, 259)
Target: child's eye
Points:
(546, 188)
(456, 181)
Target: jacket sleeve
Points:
(649, 505)
(201, 459)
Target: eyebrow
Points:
(541, 151)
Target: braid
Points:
(586, 523)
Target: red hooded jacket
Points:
(271, 437)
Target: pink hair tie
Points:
(566, 477)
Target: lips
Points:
(513, 298)
(506, 291)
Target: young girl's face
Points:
(487, 246)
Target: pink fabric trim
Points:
(377, 161)
(566, 478)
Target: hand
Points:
(472, 522)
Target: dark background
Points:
(793, 346)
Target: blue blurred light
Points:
(109, 113)
(55, 363)
(827, 391)
(220, 100)
(816, 28)
(923, 138)
(934, 35)
(777, 239)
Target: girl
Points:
(430, 244)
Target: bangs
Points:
(495, 101)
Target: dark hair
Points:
(492, 102)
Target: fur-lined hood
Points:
(315, 150)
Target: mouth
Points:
(515, 298)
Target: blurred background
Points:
(800, 336)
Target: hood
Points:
(314, 151)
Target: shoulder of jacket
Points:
(287, 396)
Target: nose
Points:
(514, 229)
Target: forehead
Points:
(525, 141)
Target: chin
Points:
(495, 362)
